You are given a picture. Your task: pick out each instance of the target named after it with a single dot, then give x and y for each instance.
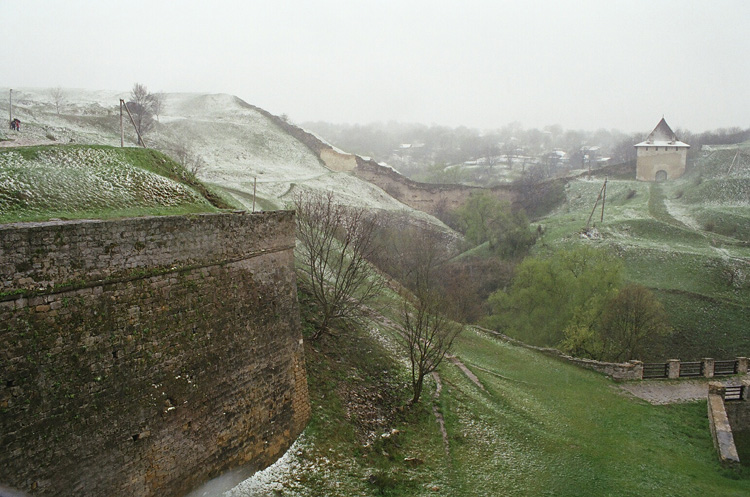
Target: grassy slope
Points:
(40, 183)
(238, 143)
(542, 427)
(660, 231)
(549, 428)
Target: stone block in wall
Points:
(635, 371)
(717, 388)
(673, 368)
(742, 363)
(709, 366)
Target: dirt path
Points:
(455, 360)
(659, 392)
(438, 415)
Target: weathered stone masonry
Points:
(144, 356)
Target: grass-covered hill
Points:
(530, 425)
(242, 148)
(688, 240)
(74, 181)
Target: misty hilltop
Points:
(224, 140)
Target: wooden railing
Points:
(656, 370)
(707, 368)
(734, 392)
(691, 369)
(723, 368)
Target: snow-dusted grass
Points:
(74, 182)
(239, 144)
(544, 427)
(357, 388)
(692, 252)
(540, 427)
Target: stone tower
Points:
(662, 156)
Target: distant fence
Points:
(706, 368)
(637, 370)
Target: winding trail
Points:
(453, 359)
(438, 415)
(456, 361)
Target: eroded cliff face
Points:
(145, 356)
(430, 198)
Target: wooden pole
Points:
(140, 138)
(588, 223)
(122, 130)
(10, 108)
(604, 200)
(255, 181)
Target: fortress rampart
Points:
(144, 356)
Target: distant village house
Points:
(662, 156)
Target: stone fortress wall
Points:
(144, 356)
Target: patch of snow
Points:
(681, 214)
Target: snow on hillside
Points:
(238, 143)
(84, 180)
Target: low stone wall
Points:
(632, 370)
(723, 417)
(144, 356)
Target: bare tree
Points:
(187, 157)
(58, 98)
(141, 106)
(157, 103)
(337, 243)
(428, 330)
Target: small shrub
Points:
(383, 482)
(630, 194)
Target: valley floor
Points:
(532, 426)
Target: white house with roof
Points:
(662, 156)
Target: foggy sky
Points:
(480, 63)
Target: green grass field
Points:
(539, 427)
(685, 239)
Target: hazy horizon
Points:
(581, 65)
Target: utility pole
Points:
(140, 138)
(255, 182)
(602, 193)
(10, 108)
(122, 130)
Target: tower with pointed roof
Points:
(661, 156)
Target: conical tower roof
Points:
(662, 135)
